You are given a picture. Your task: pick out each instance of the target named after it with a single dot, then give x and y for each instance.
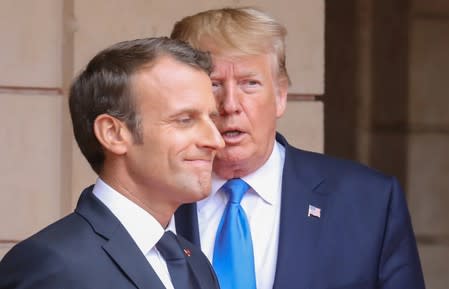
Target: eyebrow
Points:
(238, 74)
(248, 73)
(184, 111)
(192, 111)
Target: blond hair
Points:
(243, 30)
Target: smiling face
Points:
(250, 98)
(173, 164)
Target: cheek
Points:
(263, 116)
(263, 109)
(178, 143)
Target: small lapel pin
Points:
(314, 212)
(187, 252)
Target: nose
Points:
(212, 138)
(227, 98)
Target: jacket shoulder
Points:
(331, 167)
(39, 261)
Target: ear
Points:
(281, 96)
(112, 134)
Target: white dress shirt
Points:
(262, 204)
(144, 229)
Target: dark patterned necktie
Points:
(178, 268)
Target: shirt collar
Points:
(265, 181)
(144, 229)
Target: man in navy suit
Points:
(316, 222)
(142, 116)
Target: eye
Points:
(184, 120)
(250, 85)
(251, 82)
(216, 85)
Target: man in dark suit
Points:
(314, 222)
(141, 114)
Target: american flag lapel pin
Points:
(187, 252)
(314, 212)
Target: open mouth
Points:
(233, 136)
(231, 133)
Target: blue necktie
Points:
(233, 259)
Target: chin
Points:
(197, 196)
(233, 154)
(205, 187)
(205, 194)
(230, 161)
(200, 188)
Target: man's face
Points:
(173, 165)
(250, 98)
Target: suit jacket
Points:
(362, 240)
(89, 249)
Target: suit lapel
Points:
(118, 243)
(122, 249)
(299, 235)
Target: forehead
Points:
(165, 72)
(173, 83)
(247, 65)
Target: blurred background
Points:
(387, 105)
(370, 83)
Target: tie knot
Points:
(169, 247)
(236, 188)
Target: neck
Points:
(161, 212)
